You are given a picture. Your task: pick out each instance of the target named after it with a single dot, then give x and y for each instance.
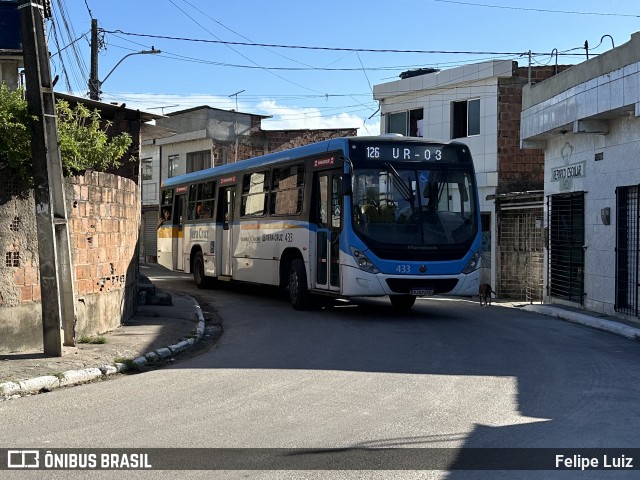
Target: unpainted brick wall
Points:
(519, 170)
(104, 222)
(104, 219)
(261, 142)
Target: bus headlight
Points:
(363, 262)
(473, 264)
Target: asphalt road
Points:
(448, 374)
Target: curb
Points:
(75, 377)
(593, 322)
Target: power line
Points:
(541, 10)
(228, 44)
(240, 35)
(333, 49)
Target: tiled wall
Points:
(613, 90)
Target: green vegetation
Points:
(84, 143)
(99, 340)
(82, 136)
(15, 134)
(131, 365)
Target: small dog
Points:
(484, 294)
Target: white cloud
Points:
(283, 117)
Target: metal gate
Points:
(566, 246)
(627, 249)
(150, 230)
(521, 254)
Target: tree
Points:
(84, 143)
(82, 136)
(15, 134)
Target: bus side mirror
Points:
(346, 184)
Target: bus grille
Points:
(439, 286)
(419, 255)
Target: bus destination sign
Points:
(409, 152)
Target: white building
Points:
(586, 120)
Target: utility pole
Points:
(235, 124)
(54, 253)
(94, 83)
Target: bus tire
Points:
(299, 295)
(199, 277)
(402, 302)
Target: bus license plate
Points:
(421, 292)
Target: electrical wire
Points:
(306, 47)
(242, 55)
(540, 10)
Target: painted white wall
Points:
(606, 103)
(620, 166)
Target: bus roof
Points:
(331, 145)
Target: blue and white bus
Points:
(347, 217)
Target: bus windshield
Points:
(414, 206)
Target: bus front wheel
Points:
(402, 302)
(298, 292)
(202, 281)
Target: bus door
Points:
(178, 240)
(328, 216)
(224, 242)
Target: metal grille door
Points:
(566, 246)
(627, 247)
(149, 241)
(521, 254)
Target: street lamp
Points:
(95, 85)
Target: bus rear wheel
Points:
(299, 295)
(202, 281)
(402, 302)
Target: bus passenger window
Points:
(165, 217)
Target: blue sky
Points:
(329, 85)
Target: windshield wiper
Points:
(405, 190)
(439, 183)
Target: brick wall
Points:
(261, 142)
(519, 170)
(278, 140)
(104, 220)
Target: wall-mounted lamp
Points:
(605, 216)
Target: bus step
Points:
(224, 278)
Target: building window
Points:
(255, 188)
(287, 191)
(201, 199)
(15, 225)
(465, 118)
(147, 168)
(198, 160)
(173, 165)
(409, 122)
(12, 259)
(397, 123)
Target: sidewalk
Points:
(590, 319)
(599, 321)
(154, 335)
